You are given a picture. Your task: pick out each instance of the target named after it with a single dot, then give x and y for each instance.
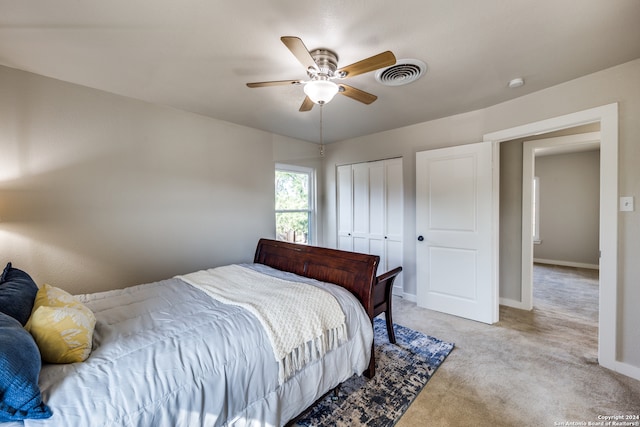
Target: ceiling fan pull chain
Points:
(321, 137)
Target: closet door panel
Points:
(345, 243)
(345, 207)
(394, 199)
(394, 259)
(361, 244)
(377, 199)
(360, 199)
(377, 247)
(394, 221)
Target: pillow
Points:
(20, 396)
(61, 326)
(17, 292)
(51, 296)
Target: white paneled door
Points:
(456, 223)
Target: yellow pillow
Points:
(61, 326)
(51, 296)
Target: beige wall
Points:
(510, 239)
(569, 208)
(620, 84)
(99, 191)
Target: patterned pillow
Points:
(20, 396)
(61, 326)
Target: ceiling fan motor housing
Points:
(327, 63)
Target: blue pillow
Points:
(19, 370)
(17, 293)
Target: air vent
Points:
(404, 71)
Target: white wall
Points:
(619, 84)
(99, 191)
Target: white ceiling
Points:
(197, 55)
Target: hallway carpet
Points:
(533, 368)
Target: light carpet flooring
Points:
(536, 368)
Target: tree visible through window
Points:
(294, 204)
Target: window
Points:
(295, 213)
(536, 210)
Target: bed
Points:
(169, 354)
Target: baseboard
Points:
(513, 303)
(625, 369)
(397, 291)
(413, 298)
(409, 297)
(567, 263)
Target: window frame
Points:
(311, 191)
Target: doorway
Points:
(565, 210)
(531, 150)
(607, 117)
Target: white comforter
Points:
(302, 322)
(167, 354)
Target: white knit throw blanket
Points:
(302, 321)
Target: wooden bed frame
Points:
(353, 271)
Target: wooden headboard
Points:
(353, 271)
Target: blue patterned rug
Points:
(402, 370)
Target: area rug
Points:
(402, 370)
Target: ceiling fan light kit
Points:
(321, 91)
(322, 68)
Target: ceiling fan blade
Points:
(300, 51)
(275, 83)
(357, 94)
(307, 104)
(384, 59)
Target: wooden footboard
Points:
(353, 271)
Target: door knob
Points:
(420, 238)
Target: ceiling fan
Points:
(322, 68)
